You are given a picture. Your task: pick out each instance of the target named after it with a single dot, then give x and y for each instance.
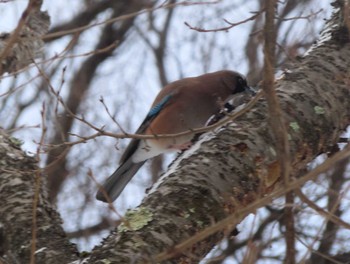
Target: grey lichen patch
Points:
(319, 110)
(200, 223)
(11, 153)
(295, 126)
(190, 212)
(187, 215)
(136, 219)
(105, 261)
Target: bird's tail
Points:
(116, 183)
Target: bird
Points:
(180, 106)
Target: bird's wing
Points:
(152, 114)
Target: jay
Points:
(180, 106)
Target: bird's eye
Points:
(241, 81)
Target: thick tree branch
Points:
(236, 167)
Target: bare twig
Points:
(312, 14)
(123, 17)
(231, 25)
(322, 255)
(104, 224)
(332, 223)
(331, 217)
(102, 132)
(112, 117)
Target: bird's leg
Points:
(215, 118)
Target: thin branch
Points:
(110, 115)
(233, 245)
(329, 216)
(312, 14)
(231, 25)
(277, 122)
(102, 132)
(122, 17)
(104, 224)
(82, 18)
(322, 255)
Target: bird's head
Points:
(242, 85)
(235, 82)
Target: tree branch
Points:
(19, 48)
(213, 186)
(18, 175)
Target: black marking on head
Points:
(241, 84)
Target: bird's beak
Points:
(250, 90)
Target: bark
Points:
(19, 48)
(18, 181)
(221, 174)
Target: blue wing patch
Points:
(158, 107)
